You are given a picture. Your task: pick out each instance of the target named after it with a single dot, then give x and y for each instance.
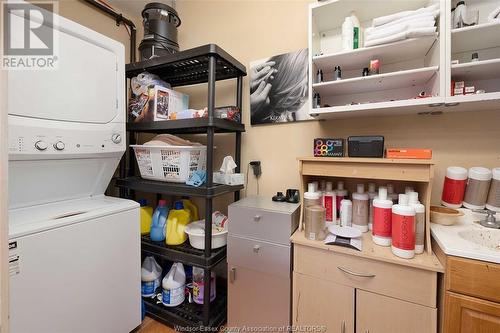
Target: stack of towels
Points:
(403, 25)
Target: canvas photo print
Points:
(279, 88)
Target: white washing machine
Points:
(74, 253)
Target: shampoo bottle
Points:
(371, 195)
(419, 221)
(346, 213)
(340, 194)
(347, 34)
(382, 218)
(360, 207)
(330, 203)
(403, 228)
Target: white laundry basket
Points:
(170, 163)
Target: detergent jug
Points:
(193, 210)
(146, 213)
(150, 276)
(177, 220)
(159, 221)
(198, 285)
(173, 286)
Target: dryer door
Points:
(84, 87)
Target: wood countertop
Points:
(372, 251)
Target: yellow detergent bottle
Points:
(146, 216)
(177, 220)
(193, 210)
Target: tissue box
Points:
(229, 178)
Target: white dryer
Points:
(74, 253)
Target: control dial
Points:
(41, 145)
(116, 138)
(59, 145)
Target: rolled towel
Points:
(494, 15)
(386, 32)
(423, 17)
(420, 32)
(389, 18)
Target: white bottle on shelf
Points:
(419, 222)
(357, 40)
(403, 228)
(347, 34)
(330, 203)
(360, 208)
(340, 194)
(382, 218)
(371, 195)
(391, 195)
(346, 213)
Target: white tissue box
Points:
(229, 178)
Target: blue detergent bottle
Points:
(159, 221)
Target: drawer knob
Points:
(256, 248)
(257, 218)
(348, 271)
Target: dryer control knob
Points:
(59, 145)
(116, 138)
(41, 145)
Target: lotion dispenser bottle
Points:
(382, 218)
(419, 222)
(403, 228)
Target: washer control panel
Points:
(81, 139)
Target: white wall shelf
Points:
(409, 49)
(386, 81)
(391, 108)
(476, 37)
(478, 70)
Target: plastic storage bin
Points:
(170, 163)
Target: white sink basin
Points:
(468, 238)
(489, 238)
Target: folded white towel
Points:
(413, 18)
(411, 33)
(390, 39)
(373, 33)
(420, 32)
(389, 18)
(494, 15)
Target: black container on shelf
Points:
(160, 30)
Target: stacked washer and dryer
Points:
(74, 253)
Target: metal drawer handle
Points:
(342, 327)
(366, 275)
(256, 248)
(232, 274)
(257, 218)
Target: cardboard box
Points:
(458, 91)
(157, 104)
(411, 153)
(470, 90)
(459, 84)
(168, 101)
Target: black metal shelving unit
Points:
(204, 64)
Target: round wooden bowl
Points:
(444, 215)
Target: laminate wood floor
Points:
(149, 325)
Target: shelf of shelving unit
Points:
(408, 49)
(385, 81)
(204, 64)
(187, 126)
(189, 314)
(391, 108)
(476, 37)
(184, 253)
(154, 186)
(420, 173)
(476, 70)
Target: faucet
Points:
(489, 221)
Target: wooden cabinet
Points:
(471, 295)
(322, 303)
(465, 314)
(381, 314)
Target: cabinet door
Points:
(465, 314)
(381, 314)
(318, 302)
(257, 299)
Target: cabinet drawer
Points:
(262, 224)
(260, 256)
(406, 283)
(473, 277)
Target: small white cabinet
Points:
(408, 67)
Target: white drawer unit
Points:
(259, 262)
